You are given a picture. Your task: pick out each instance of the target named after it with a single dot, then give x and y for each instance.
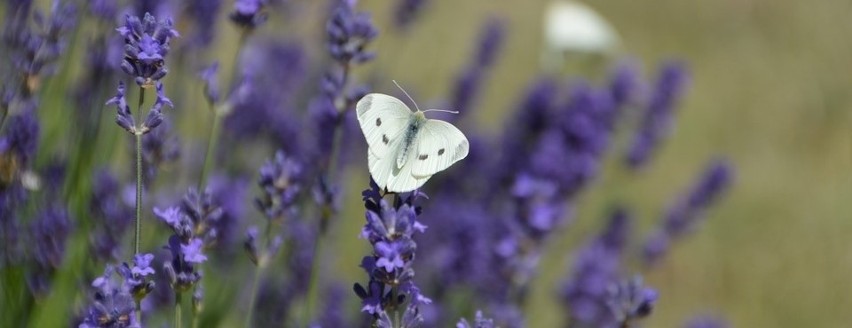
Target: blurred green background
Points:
(770, 84)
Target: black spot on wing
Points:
(423, 157)
(385, 139)
(440, 151)
(378, 121)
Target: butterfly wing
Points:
(438, 145)
(383, 119)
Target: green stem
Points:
(139, 312)
(313, 283)
(258, 273)
(211, 149)
(178, 320)
(326, 212)
(139, 173)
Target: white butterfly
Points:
(405, 147)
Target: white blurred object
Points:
(570, 26)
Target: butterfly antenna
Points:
(407, 95)
(442, 110)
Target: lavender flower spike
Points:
(406, 12)
(686, 212)
(123, 117)
(389, 229)
(659, 114)
(146, 46)
(348, 34)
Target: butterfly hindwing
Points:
(437, 146)
(383, 120)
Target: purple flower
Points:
(468, 83)
(48, 235)
(389, 229)
(280, 180)
(248, 13)
(209, 76)
(193, 252)
(105, 10)
(142, 264)
(21, 138)
(630, 301)
(33, 51)
(659, 114)
(406, 11)
(231, 196)
(203, 14)
(349, 32)
(146, 46)
(389, 255)
(480, 321)
(596, 269)
(181, 273)
(264, 102)
(113, 304)
(124, 118)
(686, 212)
(171, 216)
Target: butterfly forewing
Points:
(438, 145)
(383, 120)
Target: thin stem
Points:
(254, 287)
(211, 149)
(139, 173)
(178, 321)
(218, 115)
(139, 312)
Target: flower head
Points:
(146, 46)
(686, 212)
(659, 114)
(349, 32)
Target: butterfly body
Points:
(405, 147)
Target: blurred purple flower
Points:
(348, 33)
(123, 117)
(264, 102)
(686, 212)
(204, 14)
(281, 182)
(48, 235)
(630, 301)
(146, 45)
(231, 195)
(248, 13)
(105, 10)
(480, 321)
(111, 216)
(468, 83)
(406, 11)
(209, 76)
(21, 138)
(659, 114)
(112, 305)
(597, 267)
(193, 252)
(160, 149)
